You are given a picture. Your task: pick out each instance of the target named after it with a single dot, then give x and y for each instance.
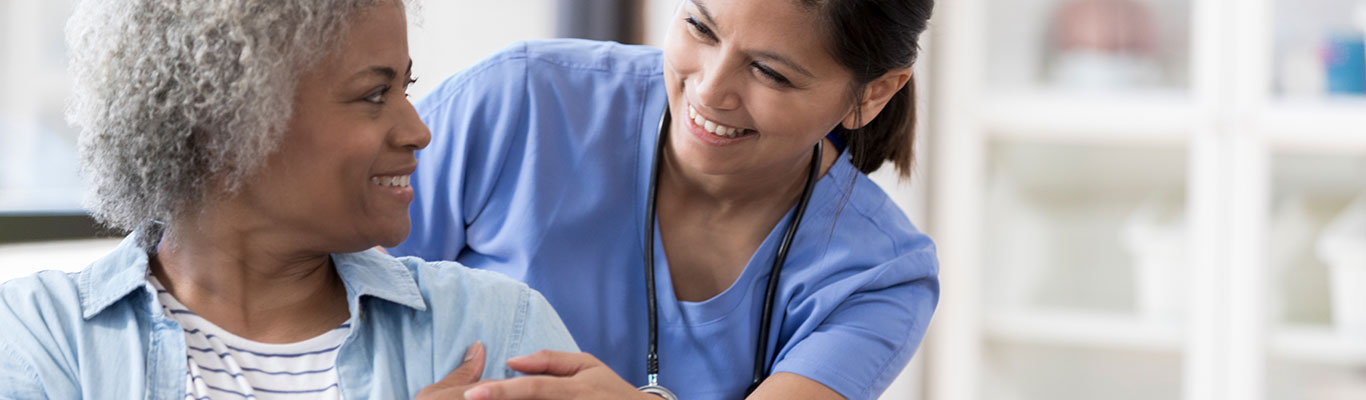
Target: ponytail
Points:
(870, 38)
(890, 136)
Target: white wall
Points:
(449, 35)
(17, 260)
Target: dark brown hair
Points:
(871, 37)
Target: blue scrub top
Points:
(539, 168)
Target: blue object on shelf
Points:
(1344, 58)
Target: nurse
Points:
(700, 216)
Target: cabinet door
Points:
(1316, 235)
(1084, 252)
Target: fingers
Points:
(469, 370)
(557, 363)
(562, 376)
(527, 387)
(468, 373)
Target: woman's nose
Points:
(411, 132)
(715, 86)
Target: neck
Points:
(768, 187)
(248, 280)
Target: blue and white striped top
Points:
(226, 366)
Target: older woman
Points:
(256, 149)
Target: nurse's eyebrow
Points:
(705, 14)
(759, 54)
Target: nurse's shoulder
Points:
(878, 216)
(554, 59)
(592, 55)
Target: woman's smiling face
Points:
(340, 175)
(751, 85)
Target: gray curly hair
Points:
(181, 100)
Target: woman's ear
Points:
(876, 94)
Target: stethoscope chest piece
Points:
(658, 391)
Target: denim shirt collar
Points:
(365, 273)
(373, 273)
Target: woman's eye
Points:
(699, 29)
(407, 85)
(377, 97)
(771, 75)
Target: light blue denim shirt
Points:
(101, 333)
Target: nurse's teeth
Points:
(714, 128)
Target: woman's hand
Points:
(464, 377)
(562, 376)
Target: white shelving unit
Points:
(1040, 277)
(1165, 118)
(1083, 329)
(1318, 344)
(1333, 126)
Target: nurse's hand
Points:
(562, 376)
(454, 385)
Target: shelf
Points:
(1021, 371)
(1320, 344)
(1087, 329)
(1336, 125)
(1150, 117)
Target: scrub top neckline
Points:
(696, 313)
(756, 270)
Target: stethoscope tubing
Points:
(761, 367)
(761, 364)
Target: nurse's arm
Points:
(563, 375)
(557, 375)
(787, 386)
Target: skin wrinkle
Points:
(193, 104)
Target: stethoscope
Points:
(761, 367)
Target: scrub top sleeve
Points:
(477, 118)
(865, 342)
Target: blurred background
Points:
(1133, 199)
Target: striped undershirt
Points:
(226, 366)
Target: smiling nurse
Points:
(699, 216)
